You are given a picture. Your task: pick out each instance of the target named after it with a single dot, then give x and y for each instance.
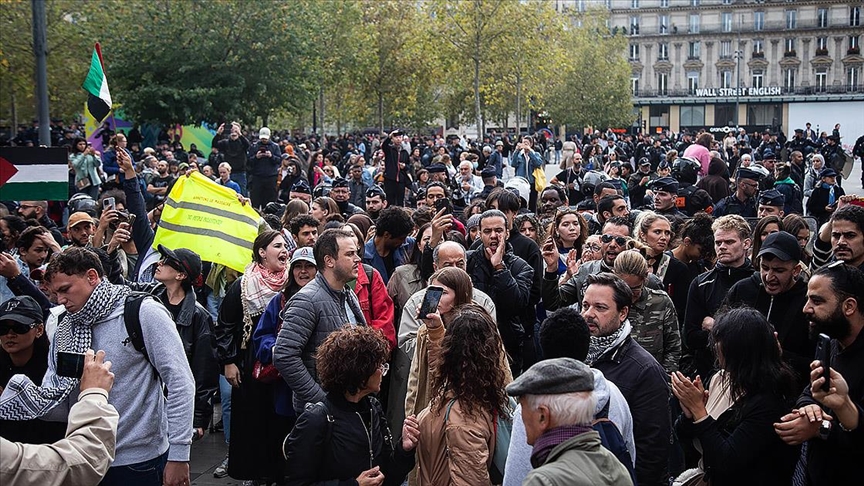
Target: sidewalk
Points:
(207, 454)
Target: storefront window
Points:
(693, 116)
(768, 115)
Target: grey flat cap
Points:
(553, 377)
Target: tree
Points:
(593, 88)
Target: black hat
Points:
(772, 197)
(666, 184)
(799, 130)
(663, 165)
(745, 173)
(782, 245)
(436, 168)
(768, 154)
(22, 309)
(553, 377)
(339, 182)
(836, 138)
(188, 259)
(376, 191)
(828, 172)
(301, 186)
(488, 171)
(274, 207)
(644, 161)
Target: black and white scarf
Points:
(23, 399)
(601, 344)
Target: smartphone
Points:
(445, 204)
(70, 365)
(131, 220)
(430, 301)
(823, 354)
(109, 203)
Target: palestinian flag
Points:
(34, 173)
(99, 102)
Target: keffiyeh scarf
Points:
(23, 399)
(257, 288)
(600, 345)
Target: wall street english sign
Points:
(732, 92)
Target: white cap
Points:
(264, 133)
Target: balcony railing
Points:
(760, 54)
(853, 50)
(797, 90)
(718, 28)
(791, 53)
(821, 52)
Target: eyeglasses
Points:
(592, 247)
(619, 240)
(15, 327)
(385, 367)
(173, 264)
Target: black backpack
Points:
(612, 440)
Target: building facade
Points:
(718, 64)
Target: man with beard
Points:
(341, 193)
(708, 290)
(743, 202)
(641, 379)
(80, 228)
(552, 198)
(830, 421)
(358, 188)
(38, 210)
(506, 278)
(778, 294)
(375, 202)
(158, 187)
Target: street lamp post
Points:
(738, 54)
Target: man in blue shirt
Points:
(391, 245)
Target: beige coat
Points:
(82, 458)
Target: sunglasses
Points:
(15, 327)
(619, 240)
(173, 264)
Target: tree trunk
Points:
(478, 116)
(518, 103)
(14, 130)
(321, 108)
(381, 112)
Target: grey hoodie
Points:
(519, 454)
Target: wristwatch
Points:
(824, 429)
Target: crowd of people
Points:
(433, 310)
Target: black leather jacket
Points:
(336, 440)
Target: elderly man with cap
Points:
(301, 190)
(743, 201)
(771, 203)
(497, 160)
(823, 200)
(264, 159)
(767, 164)
(81, 229)
(489, 176)
(341, 193)
(778, 294)
(557, 399)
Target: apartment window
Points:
(726, 20)
(634, 52)
(725, 49)
(854, 16)
(757, 45)
(789, 80)
(634, 3)
(693, 116)
(663, 51)
(692, 83)
(634, 85)
(694, 3)
(758, 20)
(608, 4)
(821, 79)
(822, 18)
(694, 23)
(693, 50)
(726, 79)
(853, 78)
(727, 2)
(664, 3)
(822, 43)
(663, 22)
(634, 25)
(757, 78)
(791, 19)
(853, 42)
(662, 84)
(790, 44)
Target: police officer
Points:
(771, 203)
(665, 196)
(743, 202)
(638, 183)
(800, 143)
(691, 199)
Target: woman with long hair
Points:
(695, 250)
(733, 429)
(567, 232)
(323, 207)
(655, 232)
(344, 439)
(251, 454)
(458, 428)
(530, 227)
(85, 163)
(796, 226)
(763, 228)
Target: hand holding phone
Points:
(70, 365)
(430, 301)
(109, 203)
(823, 355)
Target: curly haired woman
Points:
(457, 430)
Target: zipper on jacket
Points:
(368, 436)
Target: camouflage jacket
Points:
(655, 327)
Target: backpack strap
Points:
(132, 321)
(369, 269)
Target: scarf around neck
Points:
(599, 345)
(23, 399)
(551, 439)
(257, 288)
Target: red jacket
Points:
(378, 310)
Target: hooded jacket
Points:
(785, 313)
(519, 454)
(716, 183)
(706, 294)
